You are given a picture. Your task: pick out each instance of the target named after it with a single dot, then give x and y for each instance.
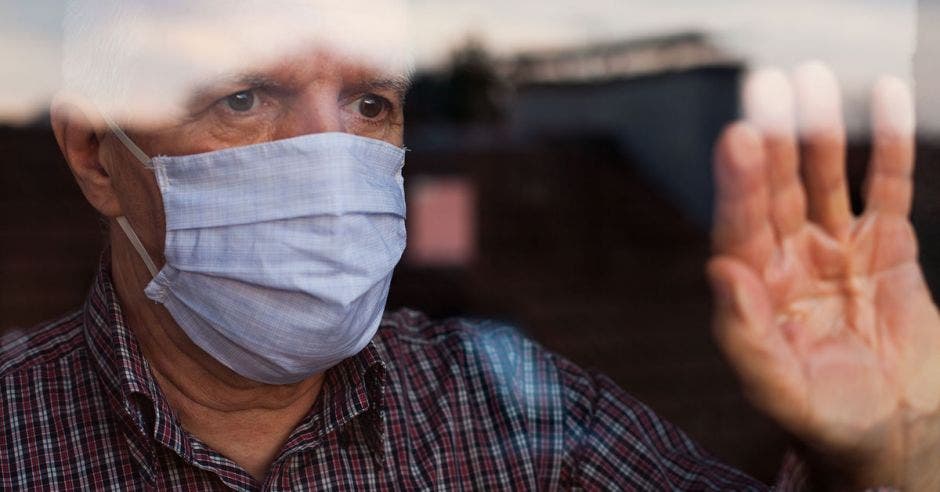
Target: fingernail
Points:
(742, 302)
(768, 101)
(724, 293)
(819, 98)
(892, 107)
(733, 298)
(745, 147)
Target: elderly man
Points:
(247, 158)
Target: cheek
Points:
(395, 136)
(209, 136)
(210, 133)
(142, 204)
(149, 218)
(392, 133)
(154, 208)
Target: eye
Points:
(241, 101)
(371, 106)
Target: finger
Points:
(889, 186)
(742, 217)
(768, 103)
(823, 132)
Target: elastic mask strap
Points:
(135, 241)
(122, 221)
(128, 143)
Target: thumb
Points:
(740, 298)
(744, 328)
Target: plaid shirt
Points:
(445, 406)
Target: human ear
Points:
(81, 147)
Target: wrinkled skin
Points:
(826, 316)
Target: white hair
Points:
(140, 58)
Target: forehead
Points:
(314, 64)
(141, 57)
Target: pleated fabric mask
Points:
(279, 255)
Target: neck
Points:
(244, 420)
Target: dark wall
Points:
(49, 236)
(666, 123)
(927, 182)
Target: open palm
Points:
(826, 316)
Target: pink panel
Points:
(441, 222)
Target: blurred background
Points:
(559, 175)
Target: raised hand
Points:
(824, 315)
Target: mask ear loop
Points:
(122, 221)
(135, 241)
(128, 143)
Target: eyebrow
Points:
(214, 89)
(400, 85)
(245, 79)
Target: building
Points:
(662, 101)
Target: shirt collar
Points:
(353, 391)
(351, 404)
(120, 362)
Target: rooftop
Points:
(616, 60)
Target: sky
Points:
(860, 39)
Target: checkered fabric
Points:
(454, 405)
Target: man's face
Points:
(311, 92)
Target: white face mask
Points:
(279, 255)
